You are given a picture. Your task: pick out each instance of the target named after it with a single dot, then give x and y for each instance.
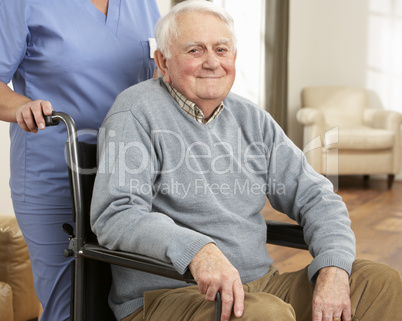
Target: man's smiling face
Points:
(202, 63)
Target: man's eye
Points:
(222, 51)
(196, 51)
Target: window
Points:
(384, 59)
(249, 24)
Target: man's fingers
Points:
(213, 272)
(347, 314)
(210, 293)
(227, 304)
(238, 295)
(317, 315)
(232, 299)
(226, 298)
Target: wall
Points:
(5, 199)
(164, 6)
(344, 42)
(327, 46)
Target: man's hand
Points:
(331, 298)
(213, 272)
(30, 115)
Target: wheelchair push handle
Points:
(56, 117)
(50, 120)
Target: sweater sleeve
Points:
(308, 198)
(122, 216)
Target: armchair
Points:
(343, 136)
(18, 301)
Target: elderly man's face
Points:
(202, 63)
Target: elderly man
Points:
(185, 169)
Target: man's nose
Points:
(211, 61)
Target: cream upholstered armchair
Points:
(18, 301)
(343, 136)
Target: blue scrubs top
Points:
(69, 53)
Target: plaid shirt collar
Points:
(191, 108)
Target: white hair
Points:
(166, 29)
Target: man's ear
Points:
(161, 62)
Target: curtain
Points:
(276, 59)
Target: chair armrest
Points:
(383, 119)
(285, 234)
(313, 135)
(142, 263)
(134, 261)
(310, 116)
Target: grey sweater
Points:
(167, 185)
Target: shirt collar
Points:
(191, 108)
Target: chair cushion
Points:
(363, 138)
(6, 302)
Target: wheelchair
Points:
(91, 275)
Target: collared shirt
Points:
(191, 108)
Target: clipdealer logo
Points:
(200, 187)
(251, 158)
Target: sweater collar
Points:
(191, 108)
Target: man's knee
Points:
(377, 275)
(376, 290)
(266, 307)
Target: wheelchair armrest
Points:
(278, 233)
(285, 234)
(134, 261)
(142, 263)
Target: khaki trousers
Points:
(376, 294)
